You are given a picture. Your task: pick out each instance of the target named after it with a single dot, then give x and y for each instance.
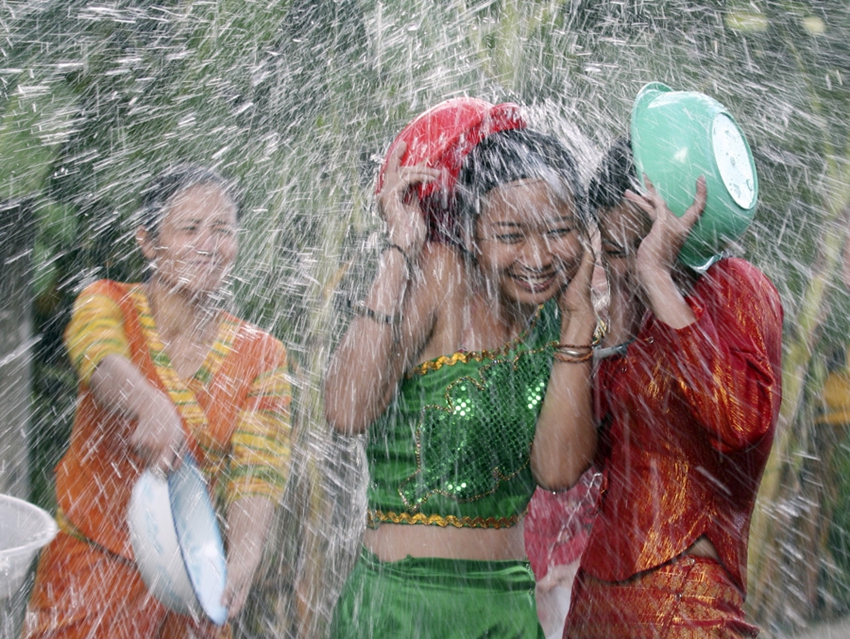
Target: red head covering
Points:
(442, 137)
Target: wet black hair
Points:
(175, 179)
(615, 175)
(517, 154)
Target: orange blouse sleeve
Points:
(260, 447)
(96, 330)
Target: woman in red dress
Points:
(688, 409)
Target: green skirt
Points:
(420, 598)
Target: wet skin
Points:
(527, 244)
(524, 249)
(195, 245)
(527, 249)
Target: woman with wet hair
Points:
(164, 371)
(467, 367)
(688, 401)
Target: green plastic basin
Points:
(678, 136)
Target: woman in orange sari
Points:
(163, 369)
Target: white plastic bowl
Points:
(177, 543)
(24, 530)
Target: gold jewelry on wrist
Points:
(574, 352)
(360, 309)
(579, 347)
(567, 358)
(599, 332)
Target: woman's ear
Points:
(147, 243)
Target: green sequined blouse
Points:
(454, 446)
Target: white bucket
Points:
(24, 530)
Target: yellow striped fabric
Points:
(258, 459)
(96, 330)
(260, 451)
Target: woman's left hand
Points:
(575, 300)
(659, 249)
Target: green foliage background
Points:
(298, 99)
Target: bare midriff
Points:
(393, 542)
(703, 547)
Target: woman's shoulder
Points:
(441, 272)
(103, 295)
(439, 260)
(740, 290)
(736, 276)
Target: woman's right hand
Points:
(159, 438)
(660, 248)
(405, 223)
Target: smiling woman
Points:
(194, 246)
(455, 387)
(163, 370)
(527, 241)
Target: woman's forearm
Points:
(158, 437)
(248, 521)
(665, 299)
(119, 386)
(363, 368)
(565, 440)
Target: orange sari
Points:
(235, 411)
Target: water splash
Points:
(297, 99)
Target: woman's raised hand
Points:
(575, 300)
(405, 223)
(657, 253)
(660, 248)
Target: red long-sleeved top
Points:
(689, 417)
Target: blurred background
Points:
(299, 100)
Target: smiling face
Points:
(527, 241)
(194, 245)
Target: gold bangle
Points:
(360, 309)
(577, 347)
(574, 352)
(560, 357)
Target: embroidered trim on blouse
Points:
(465, 357)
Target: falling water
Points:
(299, 100)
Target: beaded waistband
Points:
(376, 517)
